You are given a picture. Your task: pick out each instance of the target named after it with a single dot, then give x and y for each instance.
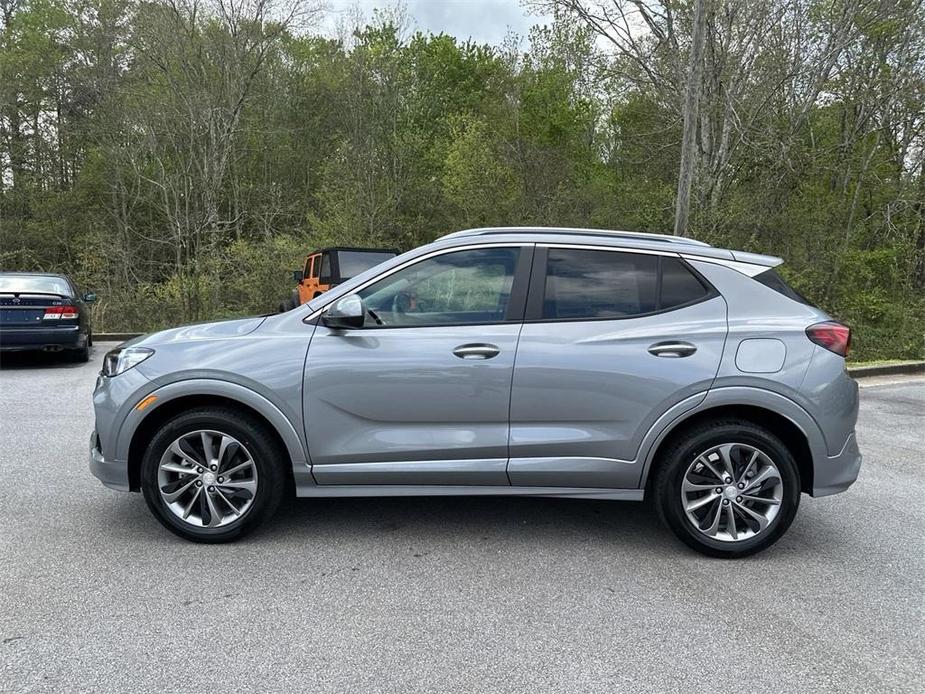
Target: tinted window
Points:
(599, 284)
(770, 278)
(325, 266)
(352, 263)
(34, 283)
(471, 286)
(679, 284)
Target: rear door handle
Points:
(672, 349)
(477, 351)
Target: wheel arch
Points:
(136, 437)
(795, 428)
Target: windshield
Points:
(26, 284)
(352, 263)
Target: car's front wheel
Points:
(212, 474)
(727, 488)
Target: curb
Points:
(912, 367)
(114, 337)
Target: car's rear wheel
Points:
(728, 488)
(82, 355)
(212, 474)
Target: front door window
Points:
(461, 288)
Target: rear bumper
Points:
(112, 473)
(838, 472)
(22, 339)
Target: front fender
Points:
(294, 444)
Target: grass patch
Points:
(882, 362)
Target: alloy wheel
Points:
(732, 492)
(207, 478)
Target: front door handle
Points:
(672, 349)
(477, 351)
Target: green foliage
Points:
(181, 165)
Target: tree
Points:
(689, 117)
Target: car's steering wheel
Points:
(401, 303)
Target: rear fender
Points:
(732, 396)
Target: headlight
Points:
(122, 359)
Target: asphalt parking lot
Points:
(439, 595)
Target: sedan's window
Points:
(25, 284)
(599, 284)
(679, 284)
(460, 288)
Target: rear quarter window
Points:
(770, 278)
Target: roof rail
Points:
(559, 231)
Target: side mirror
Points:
(89, 297)
(297, 276)
(346, 312)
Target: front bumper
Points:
(112, 473)
(838, 472)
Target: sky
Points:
(484, 21)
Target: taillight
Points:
(835, 337)
(60, 312)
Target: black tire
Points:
(268, 458)
(680, 453)
(317, 294)
(82, 355)
(283, 307)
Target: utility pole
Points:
(691, 112)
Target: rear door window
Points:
(679, 285)
(599, 284)
(583, 284)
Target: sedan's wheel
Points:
(727, 488)
(211, 475)
(82, 355)
(207, 479)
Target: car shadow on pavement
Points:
(10, 361)
(628, 528)
(635, 526)
(472, 518)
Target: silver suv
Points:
(518, 361)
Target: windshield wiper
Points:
(376, 318)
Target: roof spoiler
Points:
(749, 264)
(757, 258)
